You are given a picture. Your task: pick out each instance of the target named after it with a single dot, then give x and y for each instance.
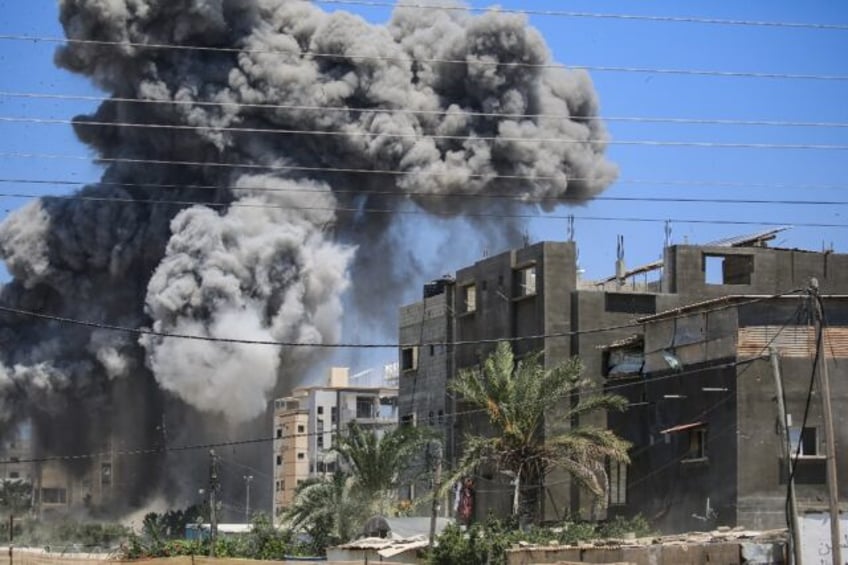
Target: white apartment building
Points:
(306, 422)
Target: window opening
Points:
(527, 281)
(409, 358)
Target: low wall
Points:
(26, 556)
(729, 553)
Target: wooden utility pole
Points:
(436, 451)
(827, 414)
(786, 451)
(213, 501)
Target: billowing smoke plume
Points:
(238, 233)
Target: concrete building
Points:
(707, 447)
(15, 450)
(306, 423)
(537, 291)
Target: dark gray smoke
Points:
(281, 238)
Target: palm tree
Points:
(327, 509)
(516, 397)
(377, 462)
(373, 465)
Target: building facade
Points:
(306, 423)
(535, 297)
(704, 424)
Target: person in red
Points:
(466, 502)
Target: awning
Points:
(682, 427)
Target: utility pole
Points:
(827, 414)
(786, 451)
(213, 501)
(247, 479)
(435, 449)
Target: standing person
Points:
(466, 502)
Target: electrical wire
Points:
(423, 112)
(593, 15)
(411, 59)
(388, 211)
(393, 345)
(380, 135)
(418, 194)
(654, 183)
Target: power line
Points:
(410, 59)
(387, 172)
(397, 194)
(410, 111)
(594, 15)
(368, 134)
(393, 345)
(388, 211)
(603, 388)
(630, 181)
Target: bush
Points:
(486, 543)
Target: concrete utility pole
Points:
(786, 451)
(435, 449)
(213, 501)
(247, 479)
(827, 413)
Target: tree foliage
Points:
(520, 400)
(332, 509)
(486, 543)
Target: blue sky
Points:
(28, 67)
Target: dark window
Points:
(301, 455)
(727, 269)
(320, 409)
(301, 429)
(617, 483)
(441, 416)
(14, 475)
(334, 414)
(409, 358)
(54, 496)
(630, 302)
(407, 420)
(364, 407)
(432, 350)
(279, 433)
(807, 441)
(106, 474)
(697, 444)
(279, 459)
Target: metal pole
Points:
(827, 413)
(786, 451)
(213, 502)
(247, 479)
(437, 484)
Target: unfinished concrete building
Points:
(703, 418)
(536, 291)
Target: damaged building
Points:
(703, 418)
(536, 293)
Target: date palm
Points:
(516, 397)
(371, 467)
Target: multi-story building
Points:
(704, 422)
(536, 297)
(306, 423)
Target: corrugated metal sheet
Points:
(791, 341)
